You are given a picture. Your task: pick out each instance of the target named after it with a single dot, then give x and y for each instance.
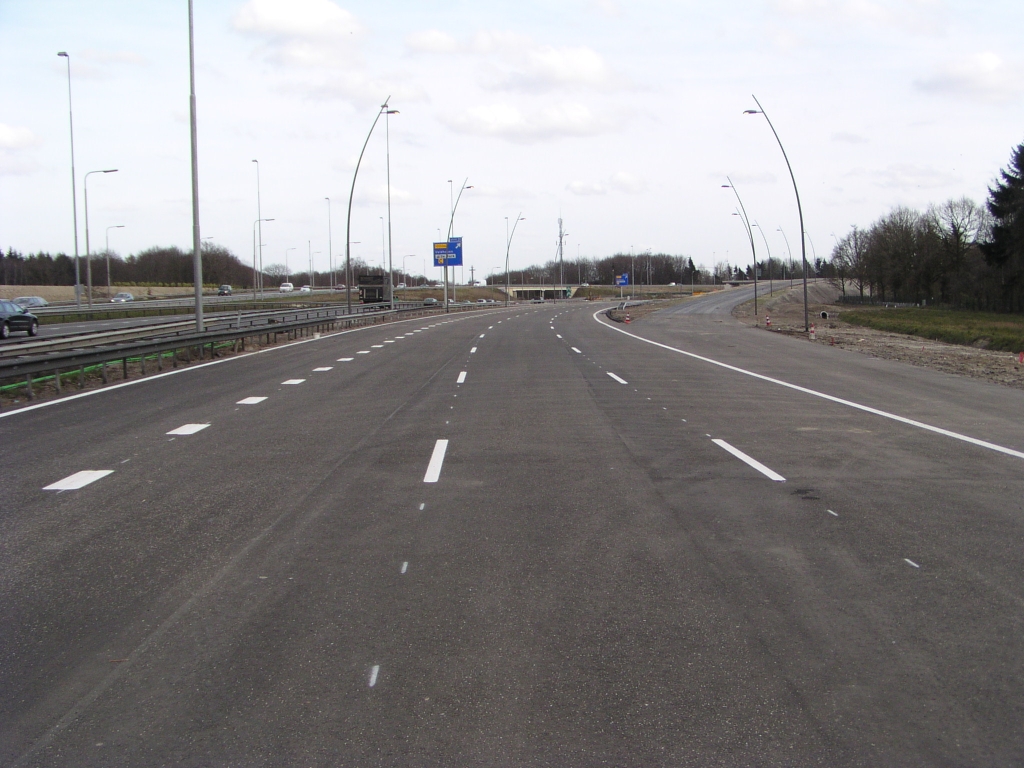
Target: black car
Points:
(224, 290)
(15, 318)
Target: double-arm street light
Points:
(254, 279)
(330, 250)
(742, 213)
(800, 210)
(107, 252)
(88, 252)
(508, 247)
(348, 221)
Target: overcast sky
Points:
(623, 118)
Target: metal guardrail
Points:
(50, 363)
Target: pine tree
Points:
(1005, 250)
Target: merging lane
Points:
(523, 536)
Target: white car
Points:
(121, 298)
(400, 285)
(286, 288)
(305, 289)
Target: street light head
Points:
(393, 112)
(752, 112)
(727, 186)
(112, 170)
(63, 53)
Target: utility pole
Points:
(561, 264)
(472, 272)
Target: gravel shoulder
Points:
(785, 309)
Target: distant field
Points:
(980, 329)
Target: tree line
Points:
(958, 254)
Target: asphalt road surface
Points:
(524, 537)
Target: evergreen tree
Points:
(1005, 250)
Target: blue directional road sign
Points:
(448, 254)
(622, 279)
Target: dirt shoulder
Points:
(786, 311)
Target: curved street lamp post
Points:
(508, 246)
(348, 220)
(800, 210)
(750, 236)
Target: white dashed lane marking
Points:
(436, 462)
(251, 401)
(78, 480)
(462, 378)
(363, 352)
(323, 368)
(405, 567)
(373, 675)
(188, 429)
(345, 359)
(770, 474)
(293, 381)
(910, 562)
(472, 351)
(617, 378)
(576, 351)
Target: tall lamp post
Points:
(387, 147)
(330, 250)
(771, 287)
(107, 252)
(750, 236)
(800, 210)
(508, 246)
(451, 224)
(74, 193)
(348, 222)
(288, 273)
(255, 280)
(259, 215)
(789, 252)
(88, 253)
(197, 242)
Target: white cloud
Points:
(985, 76)
(432, 41)
(14, 140)
(915, 16)
(849, 138)
(627, 182)
(14, 137)
(510, 60)
(508, 122)
(586, 188)
(620, 181)
(309, 33)
(114, 57)
(909, 176)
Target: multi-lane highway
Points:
(527, 536)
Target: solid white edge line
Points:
(78, 480)
(617, 378)
(436, 462)
(770, 474)
(462, 378)
(823, 396)
(195, 367)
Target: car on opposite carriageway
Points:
(16, 318)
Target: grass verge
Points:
(978, 329)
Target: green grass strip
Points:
(979, 329)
